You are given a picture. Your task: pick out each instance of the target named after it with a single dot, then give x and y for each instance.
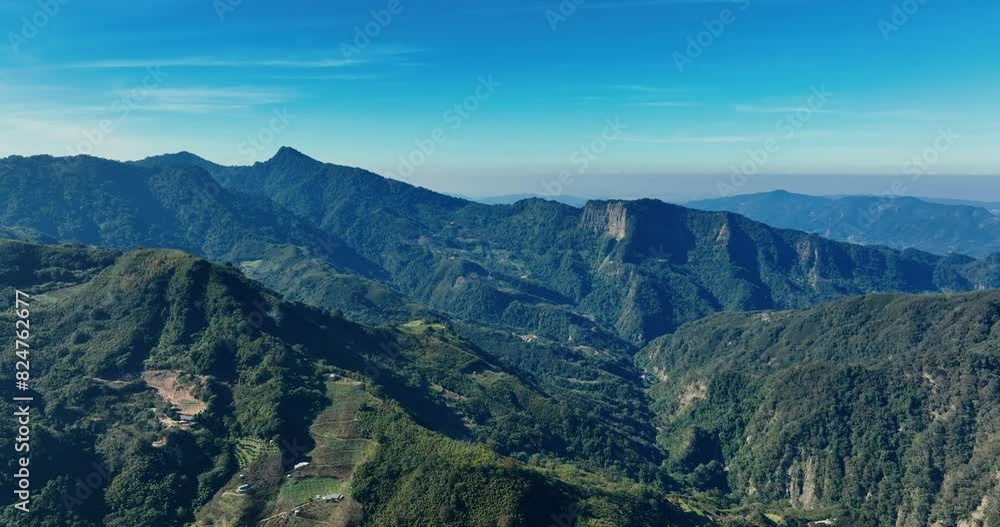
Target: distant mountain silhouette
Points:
(899, 222)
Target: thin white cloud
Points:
(667, 104)
(650, 96)
(687, 139)
(680, 139)
(205, 100)
(329, 76)
(240, 93)
(752, 108)
(901, 114)
(212, 62)
(906, 114)
(24, 101)
(645, 88)
(332, 59)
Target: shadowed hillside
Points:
(877, 410)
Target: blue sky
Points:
(234, 80)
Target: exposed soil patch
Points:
(179, 393)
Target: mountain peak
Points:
(289, 153)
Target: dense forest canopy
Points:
(296, 341)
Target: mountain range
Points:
(896, 221)
(631, 270)
(512, 364)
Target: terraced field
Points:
(250, 449)
(228, 506)
(339, 451)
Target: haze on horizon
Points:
(628, 98)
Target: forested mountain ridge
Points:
(173, 375)
(878, 410)
(179, 205)
(623, 263)
(630, 270)
(499, 348)
(125, 205)
(895, 221)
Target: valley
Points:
(428, 360)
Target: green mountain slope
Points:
(125, 206)
(504, 333)
(170, 376)
(493, 382)
(876, 410)
(637, 268)
(612, 271)
(899, 222)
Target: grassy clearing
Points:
(56, 295)
(422, 326)
(296, 492)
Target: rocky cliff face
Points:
(606, 217)
(802, 484)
